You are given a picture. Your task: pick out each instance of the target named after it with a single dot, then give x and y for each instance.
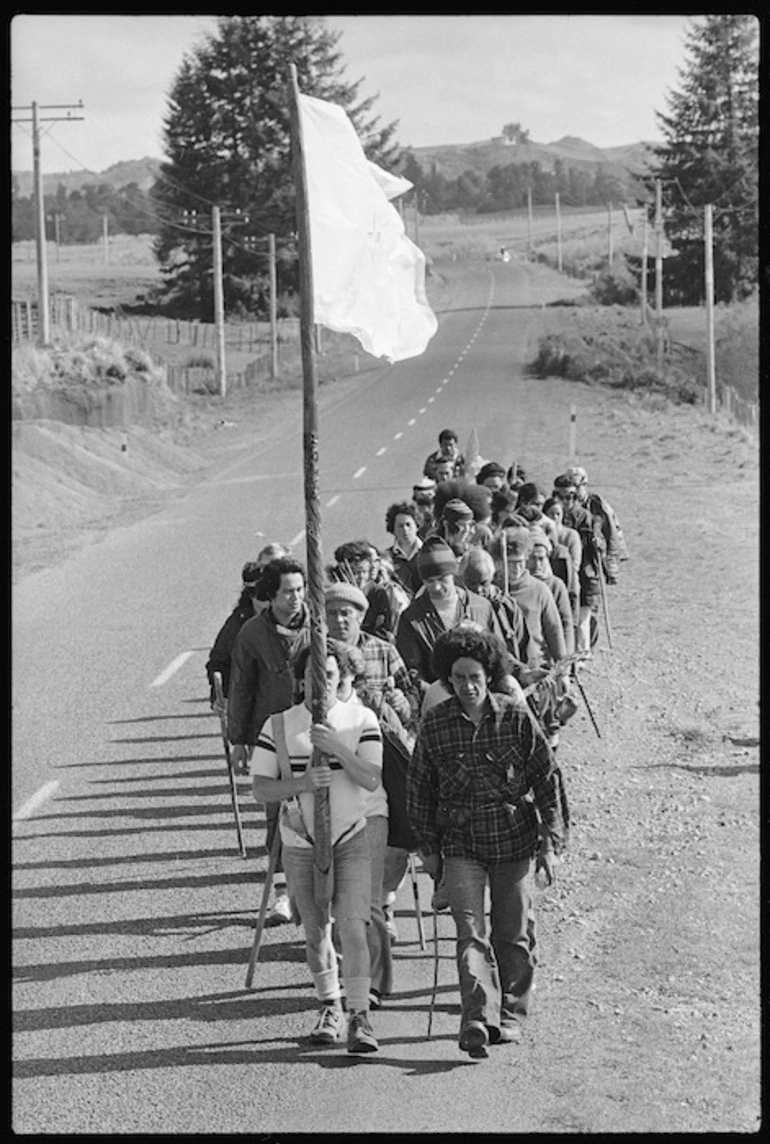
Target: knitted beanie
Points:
(347, 593)
(436, 558)
(456, 510)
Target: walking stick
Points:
(585, 700)
(220, 700)
(416, 894)
(274, 851)
(604, 600)
(435, 972)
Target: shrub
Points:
(609, 348)
(615, 285)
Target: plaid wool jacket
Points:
(480, 791)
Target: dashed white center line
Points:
(379, 452)
(37, 800)
(397, 435)
(172, 668)
(412, 422)
(421, 410)
(431, 400)
(296, 539)
(449, 374)
(438, 387)
(359, 472)
(333, 501)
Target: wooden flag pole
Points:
(322, 849)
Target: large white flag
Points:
(368, 276)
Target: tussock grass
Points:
(77, 360)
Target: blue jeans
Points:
(351, 907)
(495, 972)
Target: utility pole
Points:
(219, 302)
(106, 239)
(644, 270)
(558, 234)
(44, 316)
(709, 260)
(659, 274)
(273, 308)
(530, 241)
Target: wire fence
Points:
(69, 315)
(745, 413)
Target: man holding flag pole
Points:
(358, 273)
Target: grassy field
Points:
(586, 230)
(585, 237)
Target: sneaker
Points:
(509, 1033)
(280, 912)
(361, 1038)
(474, 1038)
(328, 1026)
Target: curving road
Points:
(133, 913)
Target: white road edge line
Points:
(171, 669)
(37, 800)
(333, 501)
(359, 472)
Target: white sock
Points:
(327, 987)
(357, 993)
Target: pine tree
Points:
(228, 143)
(711, 156)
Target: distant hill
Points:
(452, 159)
(143, 172)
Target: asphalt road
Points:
(132, 910)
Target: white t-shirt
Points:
(355, 724)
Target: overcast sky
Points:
(447, 79)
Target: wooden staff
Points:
(505, 562)
(603, 590)
(260, 927)
(434, 991)
(416, 896)
(322, 848)
(220, 701)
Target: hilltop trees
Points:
(516, 133)
(228, 144)
(711, 156)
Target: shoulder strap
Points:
(279, 738)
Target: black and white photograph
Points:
(384, 574)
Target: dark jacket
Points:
(419, 626)
(222, 648)
(261, 680)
